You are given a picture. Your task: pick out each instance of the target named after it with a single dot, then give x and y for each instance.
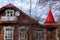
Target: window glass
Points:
(9, 12)
(39, 34)
(23, 33)
(8, 32)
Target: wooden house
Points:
(17, 25)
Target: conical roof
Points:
(50, 18)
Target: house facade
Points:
(16, 25)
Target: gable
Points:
(23, 18)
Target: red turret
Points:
(50, 19)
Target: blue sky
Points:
(38, 11)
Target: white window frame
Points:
(5, 32)
(25, 31)
(6, 11)
(39, 32)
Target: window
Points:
(9, 16)
(9, 12)
(39, 34)
(23, 33)
(8, 33)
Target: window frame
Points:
(39, 33)
(26, 30)
(5, 32)
(9, 10)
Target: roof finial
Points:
(10, 1)
(49, 6)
